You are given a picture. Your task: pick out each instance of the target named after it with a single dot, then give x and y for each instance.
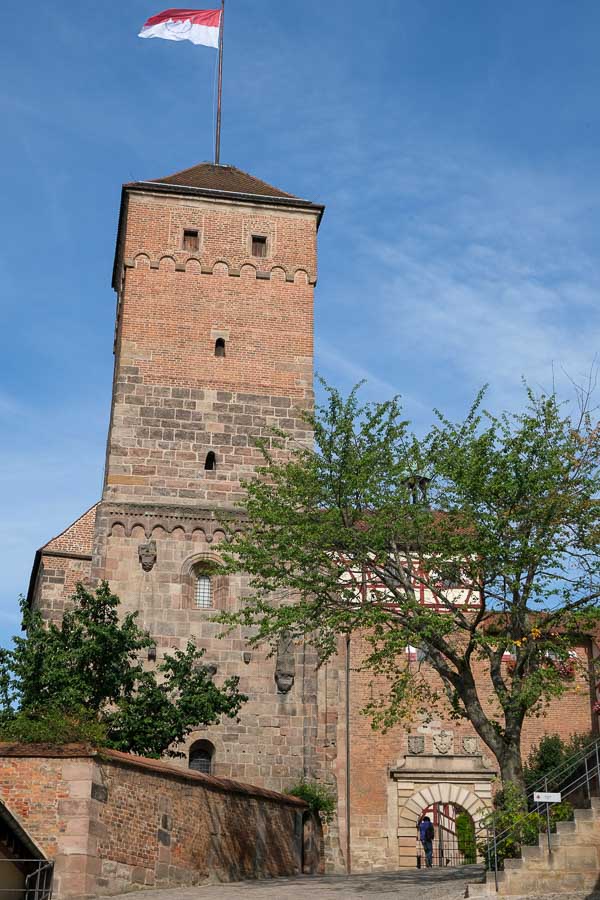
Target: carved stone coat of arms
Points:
(442, 742)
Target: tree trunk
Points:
(511, 767)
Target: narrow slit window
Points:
(259, 245)
(203, 592)
(191, 240)
(210, 463)
(220, 347)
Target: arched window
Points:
(220, 347)
(204, 595)
(210, 463)
(201, 757)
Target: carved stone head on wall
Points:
(285, 665)
(147, 555)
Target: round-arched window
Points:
(204, 595)
(201, 757)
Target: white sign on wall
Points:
(546, 797)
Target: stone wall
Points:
(114, 822)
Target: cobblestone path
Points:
(433, 884)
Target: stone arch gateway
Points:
(424, 781)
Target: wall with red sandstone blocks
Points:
(114, 822)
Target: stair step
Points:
(566, 827)
(531, 851)
(481, 890)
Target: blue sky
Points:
(456, 146)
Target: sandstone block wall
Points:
(272, 741)
(114, 822)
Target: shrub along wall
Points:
(114, 821)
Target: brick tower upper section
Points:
(215, 273)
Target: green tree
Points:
(84, 679)
(493, 519)
(465, 838)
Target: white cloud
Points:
(491, 277)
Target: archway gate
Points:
(446, 783)
(449, 847)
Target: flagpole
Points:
(220, 92)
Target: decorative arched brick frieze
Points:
(138, 260)
(278, 273)
(161, 522)
(248, 269)
(167, 262)
(192, 265)
(301, 276)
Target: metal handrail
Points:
(38, 883)
(491, 839)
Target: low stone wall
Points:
(115, 822)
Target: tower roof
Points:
(224, 179)
(219, 183)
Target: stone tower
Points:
(214, 274)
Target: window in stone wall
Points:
(210, 463)
(204, 593)
(220, 347)
(201, 757)
(259, 245)
(191, 240)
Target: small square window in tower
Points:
(191, 240)
(259, 245)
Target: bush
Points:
(552, 752)
(516, 825)
(52, 726)
(320, 799)
(465, 836)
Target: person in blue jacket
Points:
(426, 836)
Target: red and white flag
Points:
(200, 26)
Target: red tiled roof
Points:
(227, 179)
